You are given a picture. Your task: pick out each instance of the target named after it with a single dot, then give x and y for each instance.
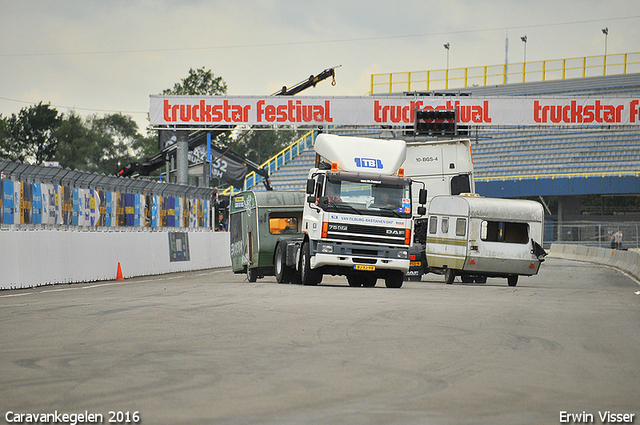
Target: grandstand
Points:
(535, 161)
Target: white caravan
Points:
(475, 238)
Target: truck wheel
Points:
(512, 280)
(394, 279)
(252, 276)
(308, 275)
(370, 281)
(283, 273)
(355, 280)
(449, 276)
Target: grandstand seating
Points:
(517, 152)
(293, 175)
(530, 152)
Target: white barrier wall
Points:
(629, 261)
(31, 258)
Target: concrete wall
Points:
(39, 257)
(628, 261)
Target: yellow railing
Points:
(520, 72)
(277, 161)
(560, 176)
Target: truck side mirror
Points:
(422, 210)
(310, 186)
(422, 196)
(323, 202)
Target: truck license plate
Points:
(364, 267)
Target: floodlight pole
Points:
(524, 60)
(605, 31)
(446, 46)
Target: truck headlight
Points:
(403, 254)
(327, 249)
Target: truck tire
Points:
(512, 280)
(449, 276)
(370, 281)
(283, 273)
(394, 279)
(308, 275)
(355, 280)
(252, 276)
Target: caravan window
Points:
(499, 231)
(445, 225)
(433, 225)
(461, 226)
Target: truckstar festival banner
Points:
(390, 111)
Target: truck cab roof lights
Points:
(334, 166)
(400, 172)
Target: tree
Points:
(115, 135)
(29, 136)
(76, 146)
(98, 144)
(4, 136)
(199, 82)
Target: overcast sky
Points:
(106, 56)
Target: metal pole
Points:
(559, 218)
(206, 165)
(182, 157)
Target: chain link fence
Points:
(592, 233)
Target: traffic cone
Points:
(119, 273)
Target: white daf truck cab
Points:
(357, 217)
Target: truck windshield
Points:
(384, 197)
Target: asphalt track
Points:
(210, 348)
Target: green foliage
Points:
(99, 144)
(199, 82)
(28, 136)
(102, 144)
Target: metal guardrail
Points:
(519, 72)
(54, 196)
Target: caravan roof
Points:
(490, 208)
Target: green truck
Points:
(257, 220)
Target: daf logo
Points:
(395, 232)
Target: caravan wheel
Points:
(449, 276)
(252, 276)
(512, 280)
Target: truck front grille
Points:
(368, 234)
